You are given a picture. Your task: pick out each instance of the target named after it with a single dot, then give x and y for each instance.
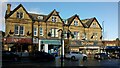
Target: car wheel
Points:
(73, 57)
(84, 58)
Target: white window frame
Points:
(18, 31)
(54, 19)
(94, 25)
(22, 30)
(54, 32)
(41, 31)
(35, 31)
(40, 17)
(76, 23)
(76, 35)
(18, 14)
(65, 35)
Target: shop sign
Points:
(87, 43)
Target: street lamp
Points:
(62, 46)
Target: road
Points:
(90, 63)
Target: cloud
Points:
(35, 11)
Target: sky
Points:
(105, 12)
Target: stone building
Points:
(29, 31)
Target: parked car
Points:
(9, 56)
(101, 56)
(115, 55)
(22, 54)
(41, 56)
(55, 54)
(76, 56)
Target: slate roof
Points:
(35, 16)
(89, 21)
(72, 18)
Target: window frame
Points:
(54, 19)
(41, 30)
(19, 29)
(19, 15)
(35, 31)
(76, 23)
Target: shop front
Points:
(89, 47)
(51, 46)
(112, 49)
(17, 44)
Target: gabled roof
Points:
(11, 12)
(52, 14)
(88, 22)
(72, 18)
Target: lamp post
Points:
(62, 47)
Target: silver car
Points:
(76, 56)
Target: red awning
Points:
(18, 40)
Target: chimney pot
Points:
(8, 8)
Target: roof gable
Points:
(71, 19)
(53, 13)
(94, 21)
(20, 6)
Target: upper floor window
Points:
(54, 32)
(54, 19)
(84, 36)
(94, 36)
(76, 23)
(35, 31)
(40, 17)
(65, 35)
(19, 30)
(94, 25)
(65, 21)
(16, 29)
(20, 15)
(76, 35)
(41, 31)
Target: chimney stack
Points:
(8, 8)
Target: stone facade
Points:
(37, 27)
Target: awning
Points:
(17, 40)
(112, 47)
(51, 42)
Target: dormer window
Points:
(65, 21)
(53, 19)
(75, 23)
(94, 25)
(20, 15)
(40, 17)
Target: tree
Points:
(117, 41)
